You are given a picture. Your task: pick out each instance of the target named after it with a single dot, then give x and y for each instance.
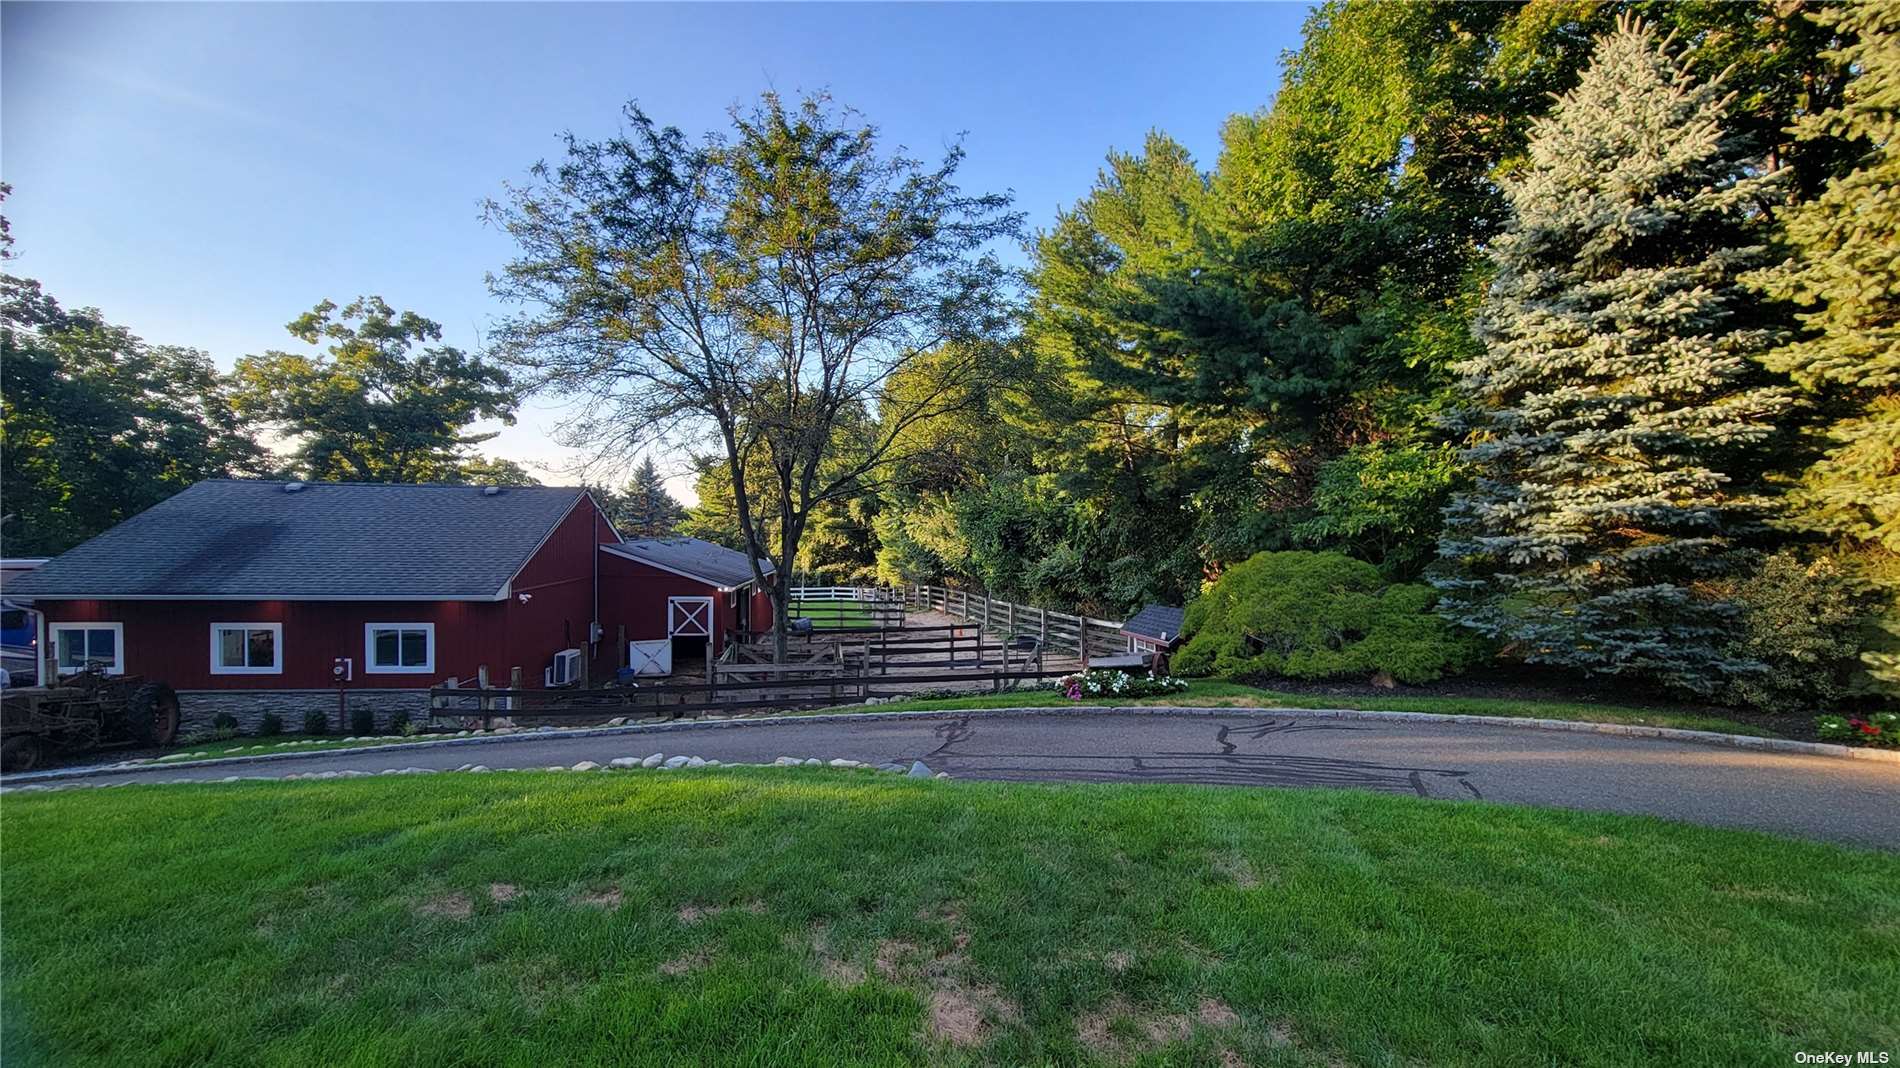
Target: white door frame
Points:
(681, 624)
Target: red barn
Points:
(252, 597)
(680, 600)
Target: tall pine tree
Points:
(1611, 413)
(645, 509)
(1846, 276)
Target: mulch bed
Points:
(1524, 684)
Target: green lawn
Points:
(767, 917)
(1214, 693)
(825, 614)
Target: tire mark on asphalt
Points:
(954, 731)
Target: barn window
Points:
(79, 645)
(399, 647)
(247, 648)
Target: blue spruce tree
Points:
(1618, 414)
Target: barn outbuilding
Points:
(679, 601)
(252, 596)
(1154, 629)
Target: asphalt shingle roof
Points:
(245, 538)
(1156, 621)
(704, 560)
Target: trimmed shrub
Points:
(362, 721)
(270, 725)
(1803, 622)
(1307, 615)
(399, 723)
(224, 721)
(315, 722)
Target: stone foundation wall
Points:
(197, 707)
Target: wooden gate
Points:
(651, 658)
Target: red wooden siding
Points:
(171, 640)
(559, 585)
(634, 595)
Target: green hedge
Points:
(1310, 615)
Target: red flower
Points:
(1868, 728)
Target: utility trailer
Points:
(89, 710)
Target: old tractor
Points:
(89, 710)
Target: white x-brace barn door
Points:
(689, 617)
(651, 658)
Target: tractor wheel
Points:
(20, 753)
(152, 714)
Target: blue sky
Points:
(203, 173)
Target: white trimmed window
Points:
(399, 648)
(247, 648)
(78, 645)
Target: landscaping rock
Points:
(624, 762)
(919, 770)
(695, 762)
(653, 761)
(813, 762)
(787, 762)
(675, 762)
(587, 765)
(841, 762)
(479, 767)
(617, 721)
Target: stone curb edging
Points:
(1711, 738)
(656, 762)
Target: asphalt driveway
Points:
(1850, 801)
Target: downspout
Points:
(593, 628)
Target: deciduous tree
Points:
(96, 425)
(384, 402)
(752, 293)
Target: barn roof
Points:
(241, 539)
(692, 558)
(1158, 621)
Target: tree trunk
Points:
(780, 590)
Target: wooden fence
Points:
(670, 701)
(1081, 636)
(884, 651)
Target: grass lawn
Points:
(1218, 694)
(825, 614)
(815, 917)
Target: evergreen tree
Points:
(1614, 407)
(645, 509)
(1847, 276)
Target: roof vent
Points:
(491, 491)
(293, 487)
